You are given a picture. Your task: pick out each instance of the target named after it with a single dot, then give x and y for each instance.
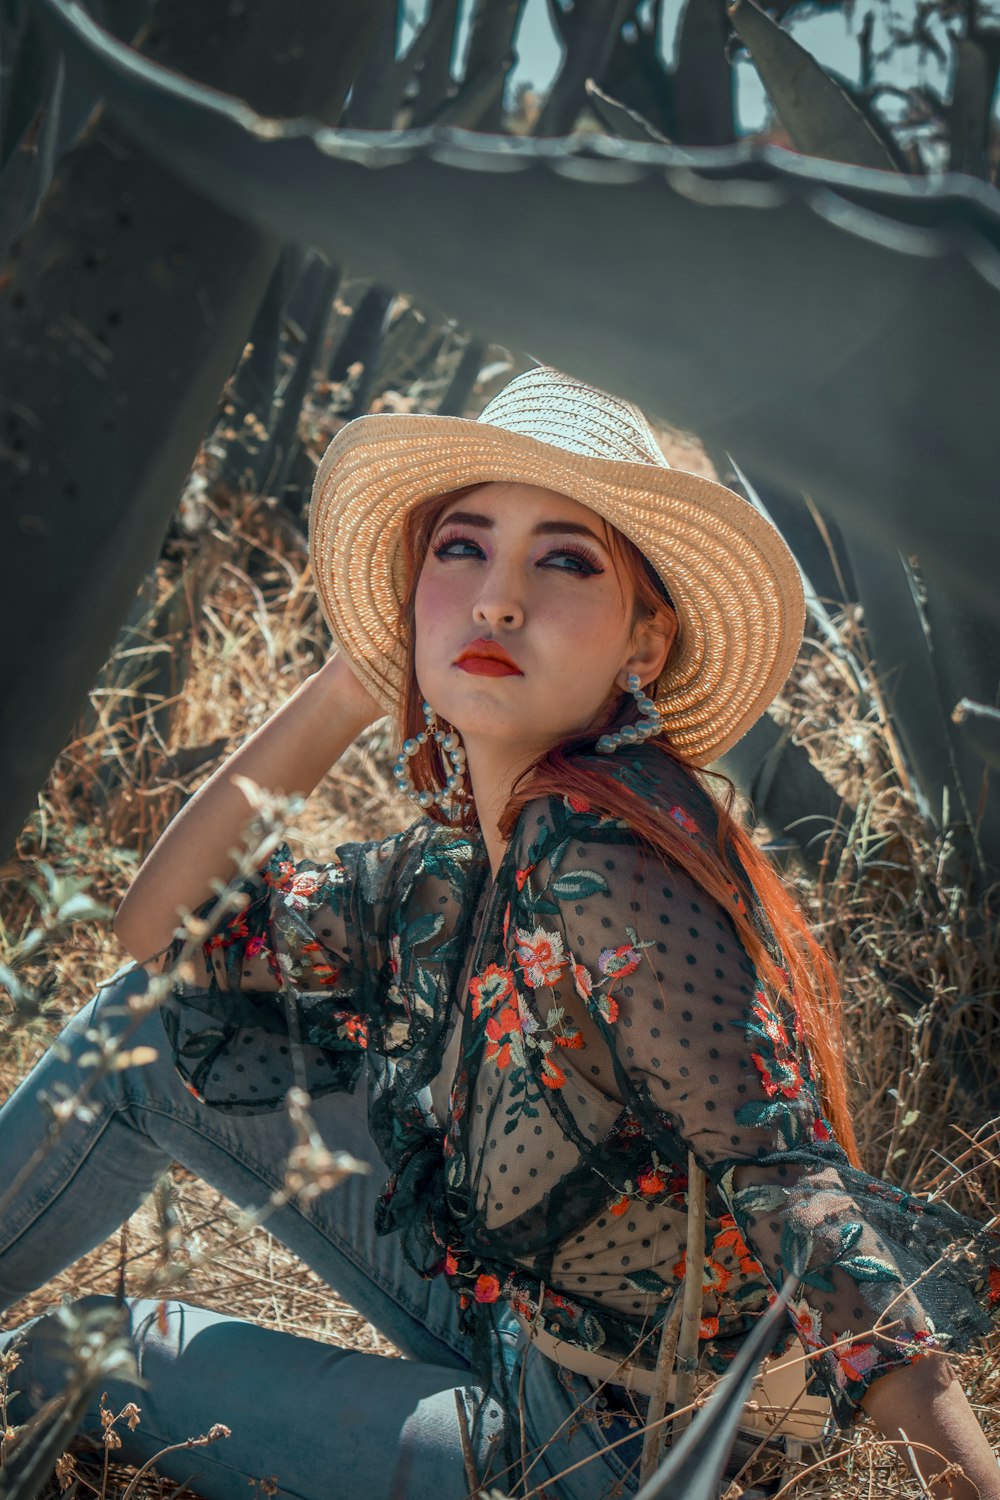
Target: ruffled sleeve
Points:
(286, 985)
(643, 977)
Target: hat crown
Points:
(553, 408)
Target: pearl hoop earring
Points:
(454, 788)
(633, 734)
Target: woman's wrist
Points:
(354, 704)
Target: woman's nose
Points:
(498, 606)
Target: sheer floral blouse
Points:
(541, 1053)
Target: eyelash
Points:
(570, 549)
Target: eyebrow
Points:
(544, 528)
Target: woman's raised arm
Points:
(290, 753)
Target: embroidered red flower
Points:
(507, 1022)
(303, 888)
(541, 956)
(552, 1075)
(774, 1027)
(651, 1182)
(854, 1361)
(572, 1039)
(715, 1277)
(355, 1029)
(490, 988)
(576, 803)
(326, 974)
(486, 1289)
(729, 1238)
(582, 981)
(618, 962)
(779, 1075)
(449, 1265)
(708, 1328)
(281, 876)
(738, 901)
(621, 1207)
(521, 876)
(684, 819)
(808, 1324)
(255, 945)
(231, 933)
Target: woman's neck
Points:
(493, 768)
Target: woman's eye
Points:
(570, 560)
(457, 546)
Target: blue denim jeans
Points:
(315, 1419)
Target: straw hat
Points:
(732, 578)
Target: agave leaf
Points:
(693, 1468)
(244, 457)
(315, 295)
(820, 117)
(702, 83)
(621, 121)
(976, 66)
(787, 791)
(927, 652)
(908, 319)
(93, 462)
(589, 34)
(478, 105)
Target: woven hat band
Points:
(574, 417)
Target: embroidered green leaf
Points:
(761, 1112)
(423, 928)
(544, 906)
(849, 1236)
(761, 1199)
(868, 1268)
(796, 1249)
(576, 885)
(818, 1279)
(456, 1170)
(647, 1281)
(555, 1015)
(556, 855)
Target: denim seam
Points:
(345, 1248)
(40, 1203)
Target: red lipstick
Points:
(487, 659)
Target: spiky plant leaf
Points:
(818, 114)
(908, 319)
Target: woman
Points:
(572, 972)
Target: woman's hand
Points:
(353, 700)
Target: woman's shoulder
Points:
(653, 781)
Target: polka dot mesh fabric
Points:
(542, 1052)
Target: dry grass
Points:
(251, 631)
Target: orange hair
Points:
(807, 975)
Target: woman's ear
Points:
(652, 643)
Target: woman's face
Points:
(529, 571)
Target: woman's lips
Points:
(487, 666)
(485, 658)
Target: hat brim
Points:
(733, 579)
